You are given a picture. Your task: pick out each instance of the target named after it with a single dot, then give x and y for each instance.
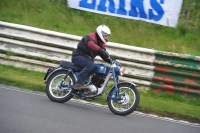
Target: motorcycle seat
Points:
(67, 64)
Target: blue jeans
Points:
(86, 64)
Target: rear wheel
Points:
(57, 92)
(129, 99)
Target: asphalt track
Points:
(23, 111)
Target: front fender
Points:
(130, 83)
(125, 83)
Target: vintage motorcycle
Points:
(123, 98)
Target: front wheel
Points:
(58, 92)
(129, 101)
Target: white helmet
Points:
(103, 30)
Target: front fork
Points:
(114, 95)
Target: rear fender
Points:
(56, 70)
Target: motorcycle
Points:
(122, 99)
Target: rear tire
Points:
(56, 93)
(129, 102)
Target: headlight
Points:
(122, 71)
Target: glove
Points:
(104, 55)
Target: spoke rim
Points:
(123, 105)
(55, 90)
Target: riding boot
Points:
(79, 85)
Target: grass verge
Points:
(174, 106)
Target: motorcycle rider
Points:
(88, 48)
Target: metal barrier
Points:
(177, 73)
(36, 49)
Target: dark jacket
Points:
(90, 46)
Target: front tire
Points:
(129, 101)
(56, 93)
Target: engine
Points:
(98, 80)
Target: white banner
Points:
(164, 12)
